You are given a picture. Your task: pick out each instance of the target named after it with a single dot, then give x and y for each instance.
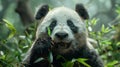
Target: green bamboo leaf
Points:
(103, 28)
(94, 21)
(50, 57)
(112, 64)
(68, 64)
(82, 61)
(107, 30)
(39, 59)
(10, 26)
(118, 44)
(49, 32)
(59, 56)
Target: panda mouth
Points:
(62, 45)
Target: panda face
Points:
(65, 25)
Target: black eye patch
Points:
(52, 25)
(72, 26)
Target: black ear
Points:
(80, 9)
(42, 11)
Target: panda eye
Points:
(52, 25)
(72, 26)
(70, 23)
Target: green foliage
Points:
(82, 61)
(108, 50)
(14, 47)
(118, 9)
(111, 64)
(11, 27)
(71, 63)
(68, 64)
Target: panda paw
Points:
(42, 46)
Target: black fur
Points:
(84, 52)
(43, 10)
(51, 26)
(82, 11)
(72, 26)
(40, 49)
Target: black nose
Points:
(61, 35)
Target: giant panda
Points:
(68, 38)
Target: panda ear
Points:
(80, 9)
(42, 11)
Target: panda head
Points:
(66, 25)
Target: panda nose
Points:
(61, 35)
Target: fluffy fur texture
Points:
(68, 38)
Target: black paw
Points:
(42, 46)
(40, 49)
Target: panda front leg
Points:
(40, 49)
(93, 57)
